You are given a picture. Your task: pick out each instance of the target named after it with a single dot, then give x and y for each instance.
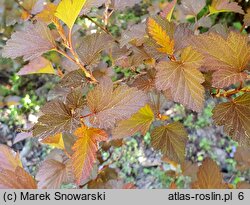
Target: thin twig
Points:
(242, 28)
(101, 27)
(228, 94)
(77, 61)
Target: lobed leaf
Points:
(192, 7)
(209, 176)
(54, 171)
(9, 160)
(58, 117)
(73, 79)
(109, 106)
(182, 35)
(55, 141)
(85, 149)
(224, 6)
(17, 179)
(30, 43)
(227, 57)
(139, 122)
(91, 47)
(171, 140)
(183, 78)
(37, 66)
(235, 117)
(160, 35)
(145, 82)
(68, 11)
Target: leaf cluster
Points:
(169, 60)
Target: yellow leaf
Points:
(160, 35)
(139, 122)
(85, 149)
(37, 66)
(55, 141)
(68, 11)
(47, 69)
(218, 6)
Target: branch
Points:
(101, 27)
(87, 73)
(229, 93)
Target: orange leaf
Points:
(56, 141)
(85, 149)
(48, 14)
(8, 158)
(17, 179)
